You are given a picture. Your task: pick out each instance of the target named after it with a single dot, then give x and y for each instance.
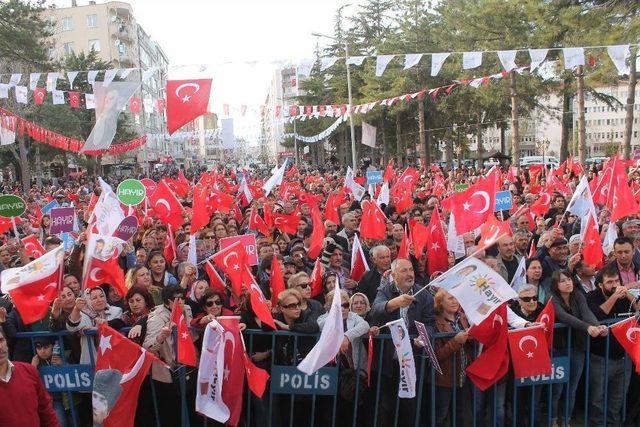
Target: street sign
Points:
(290, 380)
(374, 177)
(503, 201)
(559, 374)
(246, 240)
(131, 192)
(460, 187)
(62, 220)
(127, 228)
(67, 378)
(150, 185)
(11, 206)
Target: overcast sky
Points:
(215, 31)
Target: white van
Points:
(537, 160)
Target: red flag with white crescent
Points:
(626, 332)
(529, 352)
(32, 246)
(548, 317)
(186, 353)
(186, 100)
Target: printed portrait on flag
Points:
(106, 391)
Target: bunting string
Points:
(322, 135)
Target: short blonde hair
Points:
(437, 300)
(329, 298)
(289, 293)
(294, 279)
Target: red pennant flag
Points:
(109, 271)
(492, 231)
(231, 260)
(186, 100)
(316, 279)
(32, 246)
(276, 281)
(403, 250)
(135, 104)
(257, 223)
(286, 223)
(166, 206)
(201, 215)
(257, 378)
(542, 205)
(38, 95)
(331, 209)
(592, 253)
(548, 317)
(388, 172)
(374, 222)
(318, 233)
(358, 261)
(215, 281)
(419, 233)
(74, 99)
(437, 255)
(169, 250)
(529, 352)
(626, 332)
(472, 207)
(186, 353)
(132, 363)
(493, 363)
(258, 303)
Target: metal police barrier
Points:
(293, 398)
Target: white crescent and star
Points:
(547, 198)
(186, 98)
(226, 257)
(631, 334)
(499, 319)
(126, 376)
(523, 340)
(105, 343)
(93, 274)
(164, 203)
(485, 197)
(546, 320)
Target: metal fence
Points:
(336, 396)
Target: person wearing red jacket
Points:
(20, 382)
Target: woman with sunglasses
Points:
(310, 309)
(527, 305)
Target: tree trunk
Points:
(399, 144)
(503, 145)
(340, 148)
(515, 127)
(479, 138)
(38, 167)
(385, 147)
(427, 149)
(582, 142)
(565, 120)
(448, 153)
(631, 99)
(24, 166)
(422, 132)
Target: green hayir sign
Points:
(11, 206)
(131, 192)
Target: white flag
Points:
(109, 75)
(437, 60)
(619, 55)
(71, 76)
(327, 62)
(244, 188)
(581, 203)
(52, 80)
(7, 133)
(610, 238)
(381, 63)
(383, 197)
(520, 277)
(15, 79)
(192, 256)
(355, 60)
(107, 214)
(330, 340)
(471, 60)
(538, 56)
(368, 135)
(148, 73)
(455, 243)
(21, 94)
(478, 288)
(275, 179)
(91, 77)
(357, 189)
(58, 97)
(90, 101)
(573, 57)
(211, 373)
(508, 59)
(33, 80)
(124, 73)
(411, 59)
(404, 352)
(4, 91)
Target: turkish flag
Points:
(492, 231)
(135, 104)
(316, 279)
(220, 201)
(186, 100)
(408, 178)
(493, 362)
(402, 199)
(436, 242)
(529, 352)
(257, 300)
(626, 332)
(276, 281)
(419, 233)
(623, 202)
(177, 186)
(257, 378)
(388, 172)
(542, 205)
(234, 368)
(166, 206)
(331, 209)
(32, 246)
(231, 261)
(109, 271)
(291, 172)
(257, 223)
(374, 222)
(592, 253)
(358, 261)
(472, 207)
(74, 99)
(318, 233)
(38, 95)
(286, 223)
(600, 186)
(548, 317)
(34, 286)
(186, 353)
(169, 250)
(201, 214)
(132, 363)
(215, 281)
(403, 250)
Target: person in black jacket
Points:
(370, 282)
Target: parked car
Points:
(595, 160)
(537, 160)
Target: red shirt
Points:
(35, 406)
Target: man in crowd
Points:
(370, 282)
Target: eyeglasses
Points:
(345, 305)
(303, 285)
(209, 237)
(292, 306)
(211, 303)
(529, 299)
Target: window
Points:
(68, 48)
(67, 23)
(95, 45)
(92, 20)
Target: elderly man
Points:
(554, 254)
(523, 223)
(507, 259)
(574, 244)
(331, 228)
(349, 224)
(370, 282)
(522, 239)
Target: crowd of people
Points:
(585, 300)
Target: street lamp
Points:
(543, 146)
(346, 58)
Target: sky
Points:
(195, 32)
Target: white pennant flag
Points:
(538, 56)
(520, 276)
(330, 340)
(368, 135)
(15, 79)
(619, 55)
(581, 203)
(109, 75)
(33, 80)
(7, 134)
(4, 91)
(148, 73)
(471, 60)
(355, 60)
(404, 353)
(411, 59)
(327, 62)
(304, 67)
(381, 63)
(357, 189)
(383, 197)
(52, 80)
(211, 373)
(508, 59)
(192, 255)
(244, 188)
(71, 76)
(90, 101)
(573, 57)
(91, 77)
(610, 238)
(21, 94)
(475, 83)
(124, 73)
(437, 60)
(58, 97)
(275, 179)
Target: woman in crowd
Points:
(140, 276)
(527, 305)
(310, 308)
(60, 311)
(534, 274)
(157, 265)
(360, 305)
(571, 309)
(196, 292)
(220, 231)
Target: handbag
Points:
(348, 380)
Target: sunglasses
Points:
(303, 285)
(345, 305)
(214, 302)
(209, 237)
(292, 306)
(529, 299)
